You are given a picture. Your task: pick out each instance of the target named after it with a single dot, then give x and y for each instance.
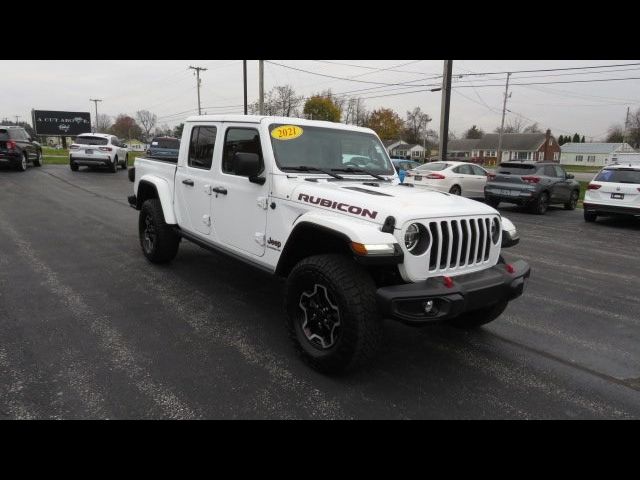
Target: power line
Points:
(374, 68)
(341, 78)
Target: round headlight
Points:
(495, 230)
(417, 239)
(412, 236)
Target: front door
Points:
(238, 205)
(193, 181)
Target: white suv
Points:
(98, 150)
(615, 190)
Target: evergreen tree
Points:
(582, 141)
(576, 138)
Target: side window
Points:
(240, 140)
(559, 172)
(464, 170)
(549, 171)
(115, 142)
(477, 170)
(15, 134)
(201, 145)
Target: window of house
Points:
(416, 153)
(201, 146)
(522, 155)
(240, 140)
(591, 158)
(578, 158)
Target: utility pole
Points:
(444, 108)
(17, 117)
(261, 87)
(504, 109)
(95, 101)
(244, 75)
(197, 69)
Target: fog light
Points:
(428, 306)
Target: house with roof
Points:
(535, 147)
(593, 154)
(413, 151)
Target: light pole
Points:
(95, 101)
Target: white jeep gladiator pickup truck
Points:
(319, 204)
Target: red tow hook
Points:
(448, 281)
(510, 268)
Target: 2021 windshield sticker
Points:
(286, 132)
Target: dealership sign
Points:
(48, 122)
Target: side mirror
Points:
(248, 165)
(570, 176)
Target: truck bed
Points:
(165, 170)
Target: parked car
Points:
(98, 150)
(17, 148)
(535, 185)
(457, 178)
(164, 148)
(354, 245)
(615, 190)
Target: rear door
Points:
(479, 176)
(563, 185)
(463, 176)
(239, 206)
(193, 180)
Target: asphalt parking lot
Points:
(90, 329)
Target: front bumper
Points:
(603, 209)
(470, 292)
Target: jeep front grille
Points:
(459, 243)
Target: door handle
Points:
(188, 182)
(221, 190)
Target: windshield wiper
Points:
(358, 170)
(305, 168)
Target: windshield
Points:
(435, 166)
(92, 140)
(517, 168)
(327, 148)
(172, 143)
(629, 175)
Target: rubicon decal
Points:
(343, 207)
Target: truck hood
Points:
(375, 203)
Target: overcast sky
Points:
(168, 89)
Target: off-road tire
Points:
(455, 190)
(477, 318)
(573, 201)
(541, 204)
(165, 245)
(590, 216)
(74, 167)
(114, 165)
(353, 291)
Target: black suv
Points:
(535, 185)
(17, 148)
